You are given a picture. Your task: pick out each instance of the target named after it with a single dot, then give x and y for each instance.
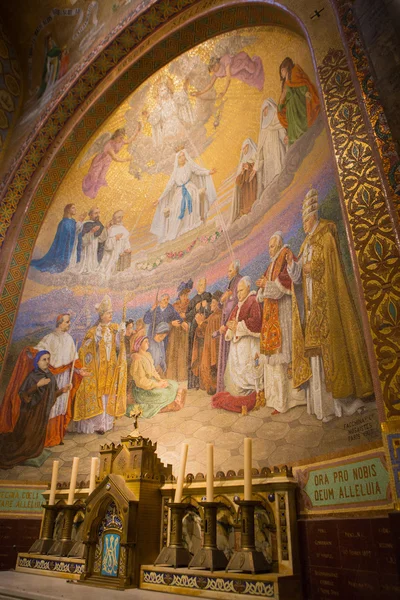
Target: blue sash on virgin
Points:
(186, 199)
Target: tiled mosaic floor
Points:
(277, 439)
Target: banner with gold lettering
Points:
(21, 500)
(360, 480)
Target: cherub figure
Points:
(106, 149)
(239, 66)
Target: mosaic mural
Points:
(193, 267)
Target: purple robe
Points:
(96, 177)
(246, 69)
(223, 352)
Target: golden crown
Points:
(179, 147)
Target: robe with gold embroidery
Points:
(108, 375)
(331, 328)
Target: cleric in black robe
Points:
(37, 393)
(94, 214)
(199, 304)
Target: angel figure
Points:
(106, 149)
(239, 66)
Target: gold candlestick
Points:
(175, 555)
(63, 546)
(248, 559)
(209, 556)
(43, 544)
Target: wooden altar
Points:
(127, 520)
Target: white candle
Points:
(53, 485)
(181, 475)
(72, 485)
(93, 473)
(210, 473)
(247, 468)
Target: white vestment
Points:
(174, 216)
(320, 402)
(271, 148)
(245, 344)
(169, 117)
(278, 390)
(62, 352)
(113, 248)
(90, 244)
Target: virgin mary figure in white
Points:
(272, 146)
(186, 200)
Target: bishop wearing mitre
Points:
(102, 396)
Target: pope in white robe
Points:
(186, 200)
(243, 333)
(117, 243)
(272, 146)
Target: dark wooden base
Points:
(248, 561)
(173, 556)
(41, 546)
(77, 550)
(211, 559)
(61, 548)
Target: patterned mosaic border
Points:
(68, 566)
(373, 235)
(208, 583)
(372, 102)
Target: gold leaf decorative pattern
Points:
(371, 226)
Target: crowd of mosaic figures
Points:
(295, 341)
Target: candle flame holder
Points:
(63, 546)
(209, 556)
(175, 555)
(248, 559)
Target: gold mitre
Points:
(310, 203)
(104, 306)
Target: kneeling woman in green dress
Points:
(152, 393)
